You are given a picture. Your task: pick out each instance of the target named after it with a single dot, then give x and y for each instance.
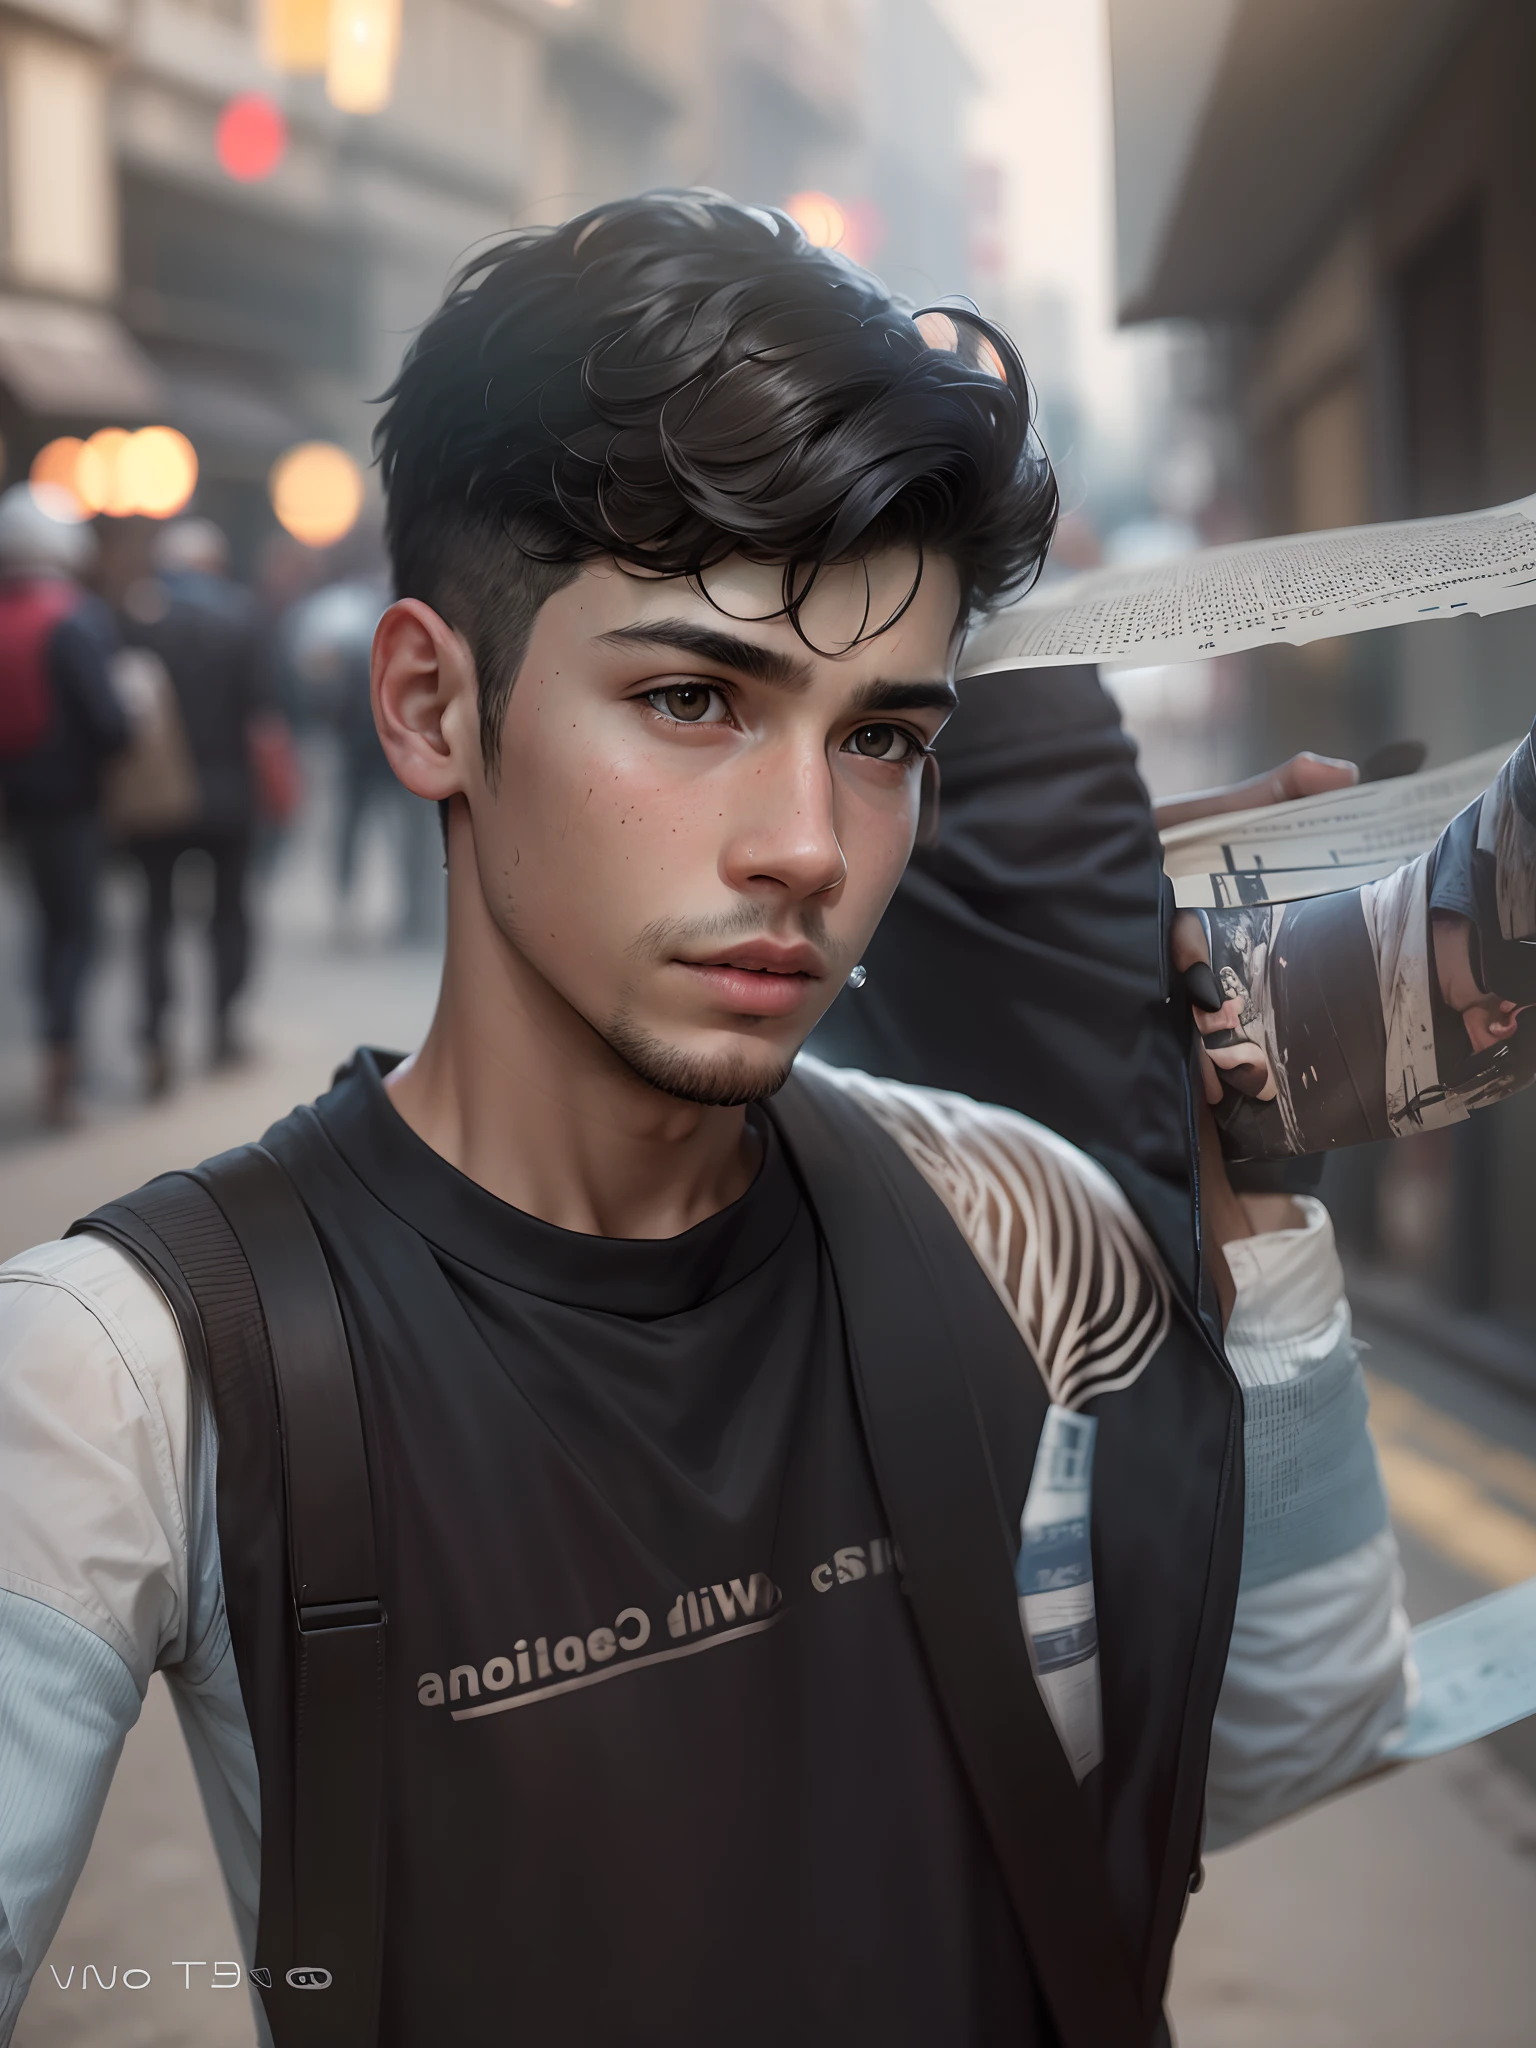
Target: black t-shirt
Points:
(699, 1790)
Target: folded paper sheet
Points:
(1308, 586)
(1318, 844)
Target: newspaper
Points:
(1308, 586)
(1477, 1673)
(1399, 1006)
(1319, 844)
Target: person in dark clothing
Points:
(54, 647)
(206, 631)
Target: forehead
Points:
(848, 599)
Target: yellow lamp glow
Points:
(317, 492)
(360, 62)
(57, 465)
(819, 218)
(152, 473)
(100, 484)
(295, 35)
(158, 471)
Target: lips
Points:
(759, 979)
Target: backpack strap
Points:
(901, 1269)
(234, 1251)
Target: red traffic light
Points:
(251, 137)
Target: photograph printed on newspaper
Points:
(1395, 1007)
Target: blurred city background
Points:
(1269, 263)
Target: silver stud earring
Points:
(858, 977)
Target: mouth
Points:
(760, 978)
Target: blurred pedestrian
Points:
(331, 638)
(207, 631)
(60, 722)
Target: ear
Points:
(1504, 1021)
(426, 700)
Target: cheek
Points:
(876, 838)
(589, 830)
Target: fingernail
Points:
(1203, 989)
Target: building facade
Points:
(139, 280)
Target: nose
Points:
(783, 838)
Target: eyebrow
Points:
(770, 665)
(906, 697)
(725, 650)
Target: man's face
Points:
(698, 819)
(1488, 1019)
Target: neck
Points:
(515, 1089)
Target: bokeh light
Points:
(100, 478)
(251, 138)
(294, 35)
(55, 466)
(158, 467)
(360, 63)
(819, 218)
(151, 473)
(317, 492)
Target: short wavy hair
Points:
(672, 379)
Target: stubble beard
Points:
(724, 1082)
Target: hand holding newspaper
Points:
(1376, 947)
(1379, 1010)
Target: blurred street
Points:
(1397, 1917)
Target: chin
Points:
(745, 1072)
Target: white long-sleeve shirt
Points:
(109, 1570)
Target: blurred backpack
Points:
(30, 608)
(152, 786)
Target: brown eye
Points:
(686, 702)
(882, 743)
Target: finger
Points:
(1314, 775)
(1210, 1080)
(1244, 1067)
(1188, 940)
(1203, 988)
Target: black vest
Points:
(1167, 1544)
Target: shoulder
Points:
(95, 1422)
(92, 1300)
(1050, 1228)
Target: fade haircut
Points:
(669, 380)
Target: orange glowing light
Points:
(317, 493)
(294, 35)
(56, 465)
(251, 138)
(158, 469)
(152, 473)
(819, 218)
(99, 481)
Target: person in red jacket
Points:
(60, 722)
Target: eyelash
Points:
(919, 747)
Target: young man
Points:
(691, 1734)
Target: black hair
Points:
(672, 379)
